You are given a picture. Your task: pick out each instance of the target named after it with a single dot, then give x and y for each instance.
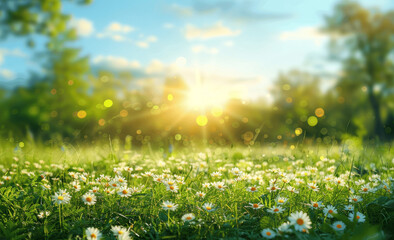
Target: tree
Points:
(367, 38)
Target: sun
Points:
(205, 97)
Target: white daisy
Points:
(300, 221)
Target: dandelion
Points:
(300, 221)
(338, 226)
(188, 217)
(92, 233)
(276, 209)
(268, 233)
(124, 191)
(89, 198)
(359, 217)
(167, 205)
(252, 189)
(329, 210)
(209, 207)
(256, 205)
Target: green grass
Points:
(22, 197)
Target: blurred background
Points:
(183, 73)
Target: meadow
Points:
(106, 192)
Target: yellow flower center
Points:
(355, 199)
(253, 189)
(169, 206)
(268, 233)
(255, 205)
(120, 232)
(124, 191)
(339, 226)
(172, 187)
(61, 198)
(300, 221)
(88, 199)
(365, 189)
(276, 210)
(93, 235)
(315, 205)
(273, 188)
(188, 218)
(330, 211)
(358, 217)
(280, 200)
(208, 207)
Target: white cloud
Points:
(7, 74)
(204, 49)
(142, 44)
(156, 66)
(152, 39)
(115, 62)
(228, 43)
(84, 27)
(116, 31)
(217, 30)
(10, 52)
(116, 27)
(168, 25)
(304, 33)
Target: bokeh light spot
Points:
(21, 144)
(108, 103)
(217, 111)
(139, 132)
(81, 114)
(312, 121)
(101, 122)
(170, 97)
(319, 112)
(124, 113)
(178, 137)
(202, 120)
(298, 131)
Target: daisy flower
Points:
(173, 188)
(94, 190)
(75, 185)
(292, 189)
(281, 200)
(200, 194)
(285, 228)
(300, 221)
(46, 186)
(349, 207)
(365, 189)
(216, 174)
(219, 185)
(268, 233)
(252, 189)
(273, 187)
(43, 214)
(124, 191)
(355, 199)
(188, 217)
(89, 198)
(275, 209)
(313, 187)
(167, 205)
(256, 205)
(316, 205)
(209, 207)
(206, 185)
(359, 217)
(61, 197)
(338, 226)
(329, 210)
(109, 191)
(119, 231)
(92, 233)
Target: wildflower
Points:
(209, 207)
(349, 207)
(200, 194)
(316, 205)
(173, 188)
(268, 233)
(300, 221)
(273, 187)
(206, 185)
(252, 189)
(281, 200)
(7, 178)
(124, 191)
(329, 210)
(188, 217)
(76, 186)
(313, 186)
(89, 198)
(216, 174)
(109, 191)
(93, 233)
(285, 228)
(119, 231)
(256, 205)
(359, 217)
(61, 197)
(292, 189)
(43, 214)
(276, 209)
(355, 199)
(45, 186)
(338, 226)
(366, 188)
(219, 185)
(167, 205)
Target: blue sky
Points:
(236, 46)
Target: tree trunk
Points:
(379, 130)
